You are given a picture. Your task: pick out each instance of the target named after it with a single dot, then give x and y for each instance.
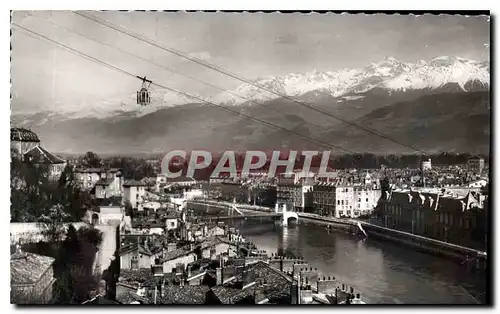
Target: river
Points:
(383, 272)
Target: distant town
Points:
(123, 233)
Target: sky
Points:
(46, 77)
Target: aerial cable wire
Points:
(263, 122)
(235, 76)
(171, 70)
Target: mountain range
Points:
(437, 105)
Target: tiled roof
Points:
(269, 283)
(27, 268)
(133, 247)
(23, 135)
(183, 295)
(210, 242)
(181, 179)
(97, 170)
(39, 155)
(135, 277)
(176, 253)
(133, 183)
(105, 181)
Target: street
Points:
(108, 246)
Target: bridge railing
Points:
(239, 206)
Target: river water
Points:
(383, 272)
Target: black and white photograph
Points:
(250, 158)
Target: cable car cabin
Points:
(143, 98)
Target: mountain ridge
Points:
(412, 120)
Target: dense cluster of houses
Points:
(227, 276)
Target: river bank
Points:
(477, 259)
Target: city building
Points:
(23, 140)
(179, 181)
(292, 194)
(476, 164)
(31, 278)
(111, 213)
(135, 256)
(481, 183)
(134, 192)
(110, 184)
(107, 182)
(339, 201)
(26, 144)
(178, 258)
(445, 217)
(426, 165)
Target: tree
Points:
(52, 223)
(91, 160)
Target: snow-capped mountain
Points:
(390, 74)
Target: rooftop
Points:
(176, 253)
(39, 155)
(23, 135)
(105, 181)
(134, 183)
(183, 295)
(134, 247)
(97, 170)
(257, 279)
(135, 277)
(27, 268)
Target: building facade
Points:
(340, 201)
(476, 164)
(293, 195)
(134, 192)
(443, 217)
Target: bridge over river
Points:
(242, 211)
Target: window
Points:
(367, 199)
(342, 202)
